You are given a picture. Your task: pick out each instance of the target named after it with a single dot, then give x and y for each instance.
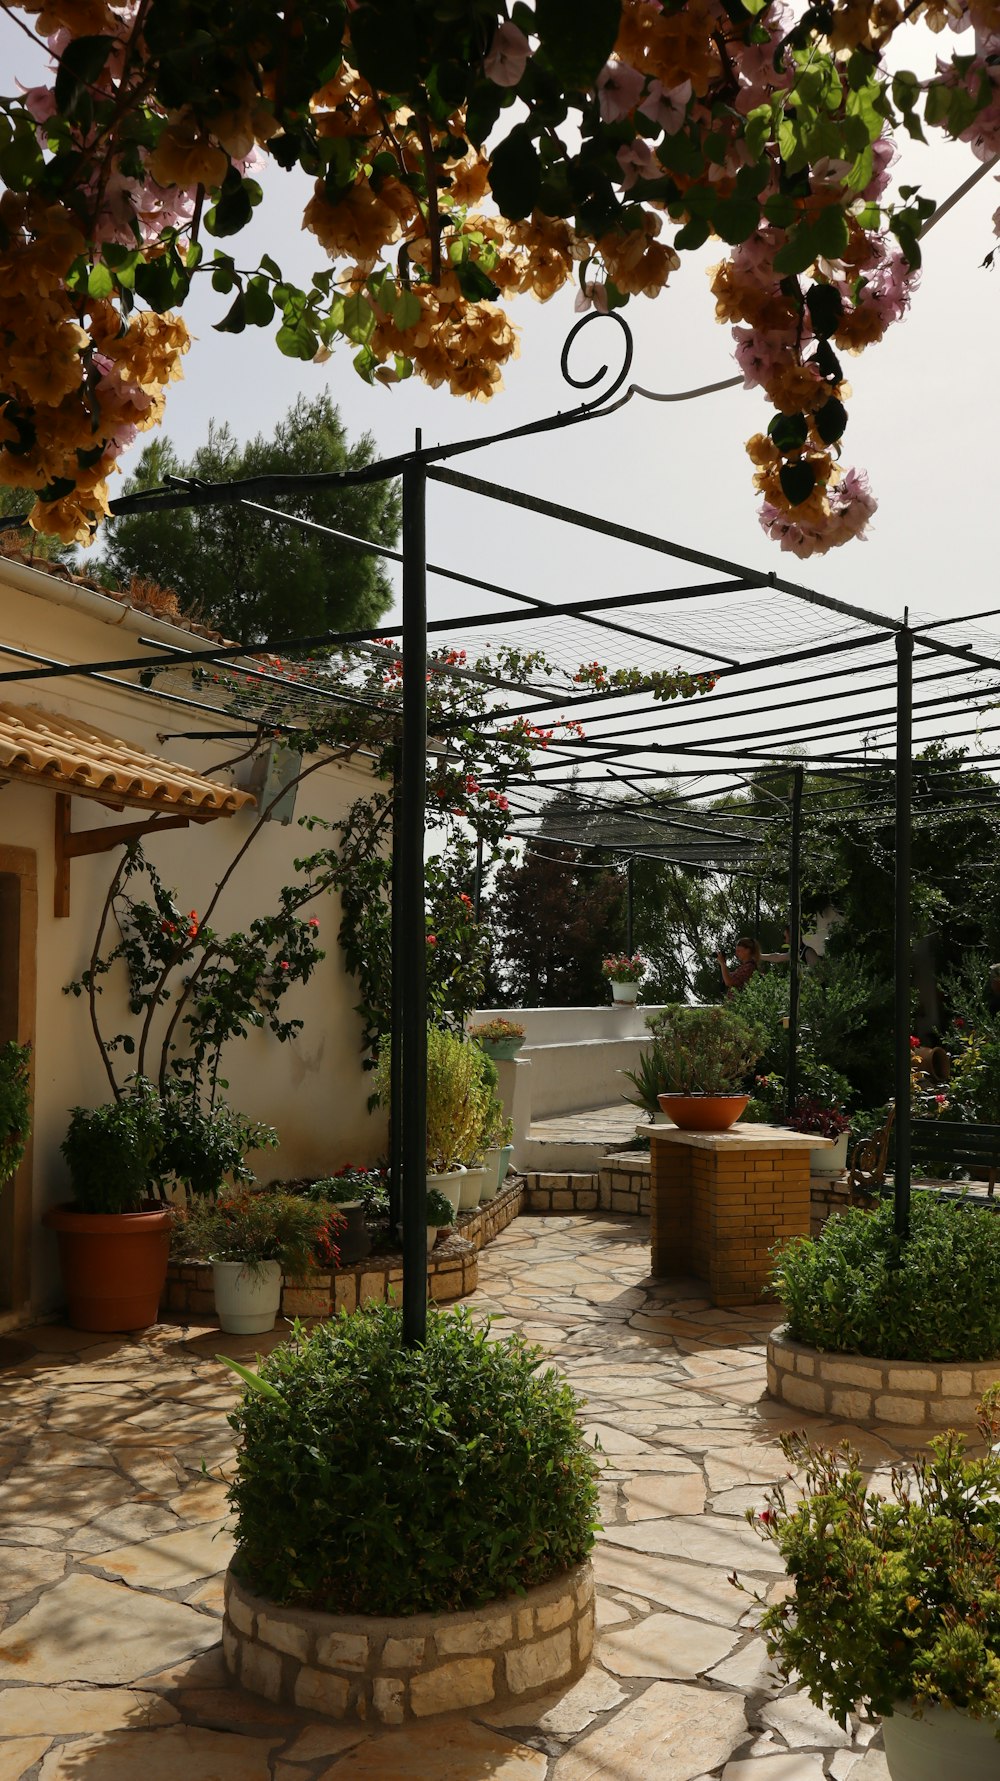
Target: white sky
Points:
(922, 421)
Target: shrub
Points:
(253, 1228)
(497, 1030)
(624, 967)
(440, 1211)
(813, 1115)
(461, 1081)
(859, 1289)
(705, 1051)
(113, 1151)
(205, 1148)
(893, 1600)
(373, 1478)
(370, 1186)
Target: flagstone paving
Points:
(113, 1544)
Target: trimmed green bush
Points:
(378, 1479)
(858, 1289)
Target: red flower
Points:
(502, 804)
(960, 1022)
(464, 899)
(282, 964)
(914, 1042)
(313, 923)
(432, 940)
(767, 1516)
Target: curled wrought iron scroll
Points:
(588, 383)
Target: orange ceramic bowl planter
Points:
(114, 1265)
(703, 1113)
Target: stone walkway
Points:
(614, 1125)
(113, 1456)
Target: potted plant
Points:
(454, 1114)
(439, 1215)
(707, 1053)
(15, 1106)
(114, 1240)
(204, 1149)
(251, 1237)
(347, 1190)
(812, 1115)
(500, 1039)
(649, 1080)
(894, 1600)
(624, 972)
(374, 1435)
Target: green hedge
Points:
(857, 1289)
(378, 1479)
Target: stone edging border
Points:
(393, 1670)
(860, 1388)
(452, 1271)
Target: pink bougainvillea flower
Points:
(313, 923)
(667, 106)
(637, 161)
(507, 57)
(593, 295)
(619, 89)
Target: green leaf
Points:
(831, 232)
(263, 1386)
(577, 40)
(789, 431)
(235, 206)
(781, 210)
(516, 175)
(359, 319)
(758, 129)
(736, 219)
(80, 64)
(830, 420)
(826, 307)
(407, 310)
(235, 319)
(99, 281)
(259, 304)
(475, 284)
(385, 45)
(797, 482)
(799, 251)
(693, 235)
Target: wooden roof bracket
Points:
(70, 843)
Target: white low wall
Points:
(572, 1059)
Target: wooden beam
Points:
(70, 845)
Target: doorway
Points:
(18, 928)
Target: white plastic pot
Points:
(473, 1182)
(432, 1237)
(247, 1301)
(624, 992)
(450, 1184)
(944, 1742)
(492, 1161)
(832, 1162)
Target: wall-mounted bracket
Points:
(70, 844)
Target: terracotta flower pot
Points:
(114, 1265)
(704, 1113)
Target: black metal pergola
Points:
(756, 722)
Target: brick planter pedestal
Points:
(915, 1394)
(358, 1666)
(720, 1201)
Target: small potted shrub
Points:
(500, 1039)
(625, 972)
(454, 1113)
(894, 1601)
(439, 1215)
(15, 1106)
(114, 1239)
(251, 1237)
(707, 1055)
(350, 1190)
(813, 1116)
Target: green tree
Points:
(554, 916)
(251, 575)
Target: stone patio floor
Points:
(113, 1460)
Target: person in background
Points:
(807, 954)
(747, 962)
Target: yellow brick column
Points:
(670, 1207)
(722, 1201)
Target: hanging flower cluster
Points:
(459, 157)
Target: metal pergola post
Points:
(629, 903)
(794, 940)
(396, 1005)
(411, 921)
(902, 926)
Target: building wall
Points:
(313, 1088)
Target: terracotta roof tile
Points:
(68, 755)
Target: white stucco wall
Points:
(313, 1088)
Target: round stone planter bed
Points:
(931, 1395)
(415, 1666)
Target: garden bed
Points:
(404, 1667)
(866, 1389)
(453, 1270)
